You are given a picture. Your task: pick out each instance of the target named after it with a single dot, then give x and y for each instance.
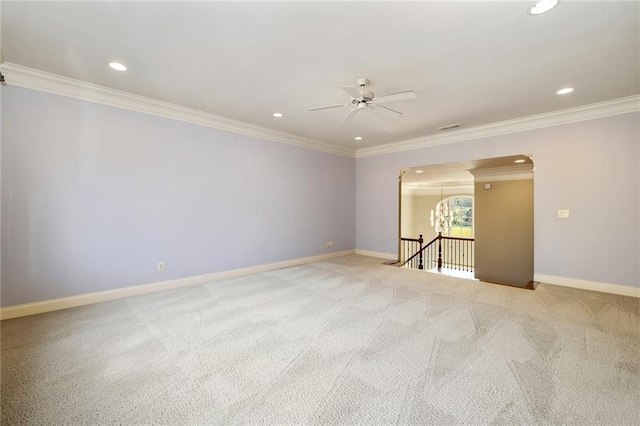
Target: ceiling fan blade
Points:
(389, 109)
(328, 106)
(353, 92)
(347, 118)
(401, 96)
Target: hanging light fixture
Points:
(441, 219)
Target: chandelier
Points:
(442, 219)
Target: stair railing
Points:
(449, 252)
(409, 246)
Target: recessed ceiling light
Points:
(542, 6)
(117, 66)
(519, 161)
(565, 91)
(358, 138)
(419, 171)
(278, 114)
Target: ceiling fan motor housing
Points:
(366, 94)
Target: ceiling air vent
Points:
(450, 127)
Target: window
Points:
(454, 216)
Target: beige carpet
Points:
(335, 342)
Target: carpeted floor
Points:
(341, 341)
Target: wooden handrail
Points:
(457, 238)
(410, 239)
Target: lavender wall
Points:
(588, 167)
(93, 197)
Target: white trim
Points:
(582, 113)
(495, 174)
(387, 256)
(29, 78)
(417, 191)
(103, 296)
(622, 290)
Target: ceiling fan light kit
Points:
(542, 6)
(362, 98)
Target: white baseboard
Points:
(388, 256)
(103, 296)
(622, 290)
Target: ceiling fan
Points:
(362, 98)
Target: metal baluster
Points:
(455, 257)
(439, 252)
(466, 245)
(468, 258)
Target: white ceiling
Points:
(470, 62)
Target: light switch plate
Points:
(563, 214)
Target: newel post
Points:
(420, 265)
(439, 251)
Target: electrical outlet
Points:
(329, 244)
(564, 214)
(160, 266)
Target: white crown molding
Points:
(409, 191)
(571, 115)
(29, 78)
(433, 191)
(430, 192)
(622, 290)
(104, 296)
(494, 174)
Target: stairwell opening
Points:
(471, 219)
